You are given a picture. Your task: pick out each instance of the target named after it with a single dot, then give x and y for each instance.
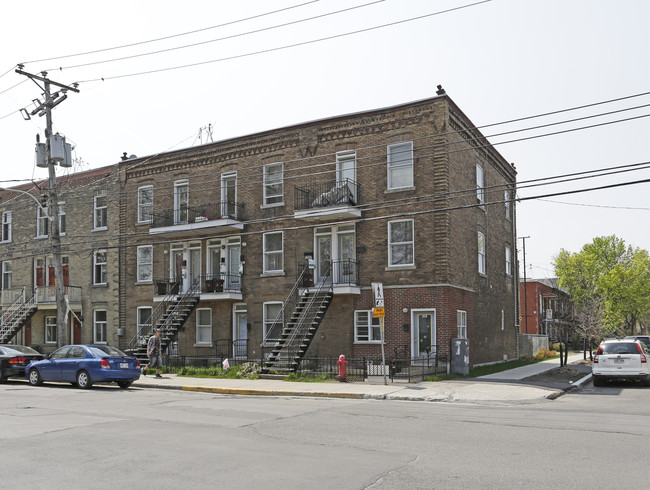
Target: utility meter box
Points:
(459, 356)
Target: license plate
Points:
(619, 361)
(124, 365)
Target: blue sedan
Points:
(85, 365)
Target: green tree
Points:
(609, 283)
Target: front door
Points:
(423, 334)
(233, 277)
(323, 257)
(76, 331)
(335, 254)
(240, 331)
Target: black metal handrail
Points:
(330, 193)
(197, 214)
(345, 272)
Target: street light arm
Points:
(28, 194)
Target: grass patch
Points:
(318, 378)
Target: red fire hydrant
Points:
(342, 368)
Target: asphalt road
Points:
(62, 437)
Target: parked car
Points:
(643, 338)
(621, 359)
(85, 365)
(14, 358)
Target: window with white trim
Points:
(481, 253)
(400, 165)
(508, 261)
(204, 326)
(100, 216)
(461, 323)
(400, 243)
(366, 328)
(7, 272)
(145, 263)
(181, 201)
(62, 220)
(273, 184)
(273, 255)
(506, 199)
(50, 330)
(99, 326)
(99, 267)
(480, 184)
(271, 311)
(6, 226)
(144, 320)
(42, 222)
(145, 204)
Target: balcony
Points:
(344, 277)
(46, 296)
(225, 216)
(327, 201)
(221, 287)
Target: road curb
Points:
(241, 391)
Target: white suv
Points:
(621, 359)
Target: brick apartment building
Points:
(220, 242)
(546, 309)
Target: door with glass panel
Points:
(346, 172)
(336, 254)
(323, 255)
(423, 334)
(229, 195)
(240, 331)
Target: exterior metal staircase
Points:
(169, 316)
(296, 334)
(14, 317)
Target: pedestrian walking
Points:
(154, 353)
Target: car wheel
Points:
(35, 377)
(597, 381)
(124, 384)
(83, 380)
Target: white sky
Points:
(498, 60)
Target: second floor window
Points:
(145, 204)
(145, 263)
(6, 226)
(273, 260)
(100, 216)
(99, 269)
(273, 184)
(480, 184)
(400, 165)
(508, 261)
(42, 222)
(506, 198)
(61, 218)
(6, 274)
(400, 243)
(481, 253)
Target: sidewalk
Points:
(491, 388)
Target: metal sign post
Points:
(379, 311)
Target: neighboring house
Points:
(546, 309)
(89, 223)
(236, 245)
(410, 196)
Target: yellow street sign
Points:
(378, 312)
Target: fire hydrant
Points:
(342, 368)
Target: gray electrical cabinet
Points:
(459, 356)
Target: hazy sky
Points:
(498, 60)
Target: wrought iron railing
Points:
(324, 194)
(198, 214)
(220, 283)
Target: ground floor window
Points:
(99, 326)
(366, 328)
(204, 326)
(50, 330)
(461, 321)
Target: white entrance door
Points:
(240, 331)
(423, 334)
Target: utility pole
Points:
(523, 239)
(45, 108)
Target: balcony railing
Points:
(47, 294)
(11, 296)
(345, 272)
(222, 283)
(326, 194)
(199, 214)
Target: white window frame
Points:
(139, 318)
(409, 243)
(481, 254)
(461, 324)
(62, 220)
(100, 267)
(268, 321)
(480, 184)
(42, 222)
(181, 202)
(7, 274)
(145, 209)
(506, 199)
(268, 254)
(50, 330)
(399, 160)
(363, 319)
(508, 261)
(100, 327)
(273, 184)
(7, 219)
(100, 212)
(144, 275)
(203, 328)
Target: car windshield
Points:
(17, 349)
(620, 348)
(106, 351)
